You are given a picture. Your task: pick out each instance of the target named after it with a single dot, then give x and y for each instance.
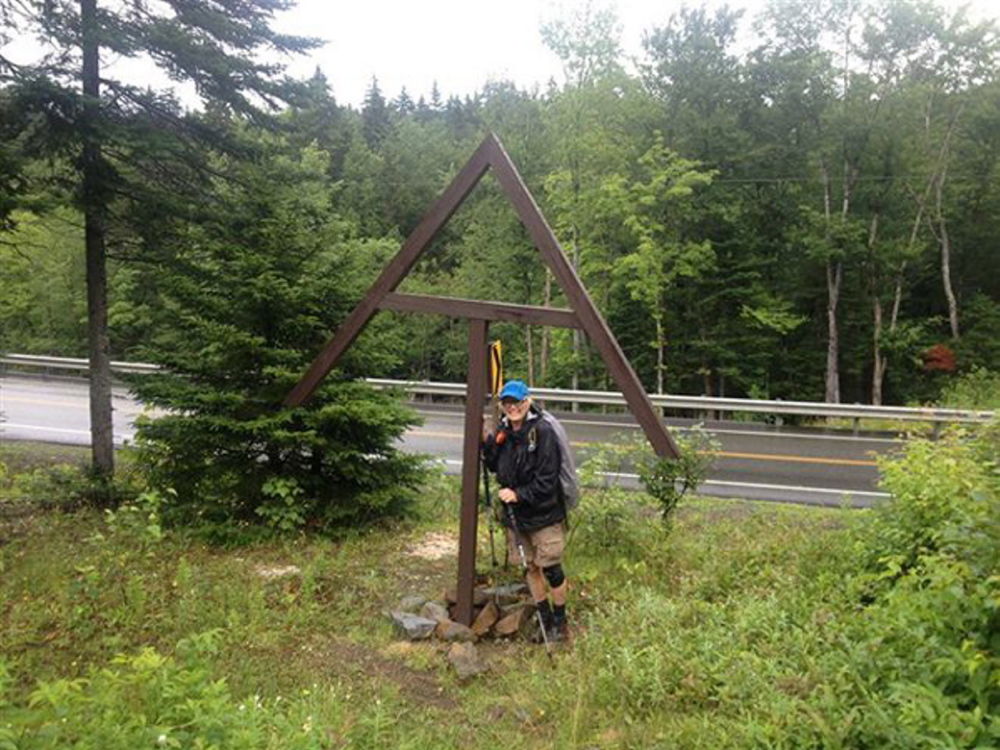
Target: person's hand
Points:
(489, 427)
(507, 495)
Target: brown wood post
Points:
(475, 396)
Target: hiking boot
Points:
(559, 631)
(556, 633)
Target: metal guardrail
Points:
(706, 403)
(609, 398)
(69, 363)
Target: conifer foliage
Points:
(66, 105)
(255, 289)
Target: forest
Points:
(803, 204)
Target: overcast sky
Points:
(461, 44)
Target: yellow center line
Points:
(793, 459)
(721, 454)
(81, 404)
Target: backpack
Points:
(567, 467)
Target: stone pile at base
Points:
(499, 612)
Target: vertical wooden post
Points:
(474, 398)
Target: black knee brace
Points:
(554, 575)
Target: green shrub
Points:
(666, 480)
(244, 301)
(930, 631)
(977, 389)
(60, 486)
(148, 700)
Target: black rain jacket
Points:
(527, 461)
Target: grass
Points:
(706, 636)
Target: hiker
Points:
(524, 453)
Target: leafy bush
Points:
(666, 480)
(60, 486)
(977, 389)
(148, 700)
(931, 628)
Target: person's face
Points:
(514, 409)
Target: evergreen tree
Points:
(252, 293)
(403, 104)
(375, 121)
(219, 45)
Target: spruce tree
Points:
(71, 108)
(375, 122)
(252, 292)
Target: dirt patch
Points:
(421, 688)
(271, 572)
(435, 546)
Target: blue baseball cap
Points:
(516, 389)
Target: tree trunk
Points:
(878, 359)
(531, 355)
(577, 338)
(94, 206)
(660, 346)
(939, 224)
(834, 277)
(945, 241)
(546, 302)
(878, 366)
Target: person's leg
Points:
(550, 543)
(536, 583)
(534, 577)
(539, 594)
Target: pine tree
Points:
(404, 104)
(72, 109)
(255, 286)
(375, 123)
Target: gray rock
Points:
(479, 597)
(414, 627)
(412, 603)
(435, 611)
(509, 593)
(465, 659)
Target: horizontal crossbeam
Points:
(476, 310)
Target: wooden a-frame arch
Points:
(582, 314)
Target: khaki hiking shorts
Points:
(543, 547)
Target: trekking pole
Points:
(524, 565)
(491, 519)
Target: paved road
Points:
(755, 461)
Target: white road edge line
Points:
(4, 425)
(751, 485)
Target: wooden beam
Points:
(475, 399)
(593, 323)
(476, 310)
(393, 273)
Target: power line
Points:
(871, 178)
